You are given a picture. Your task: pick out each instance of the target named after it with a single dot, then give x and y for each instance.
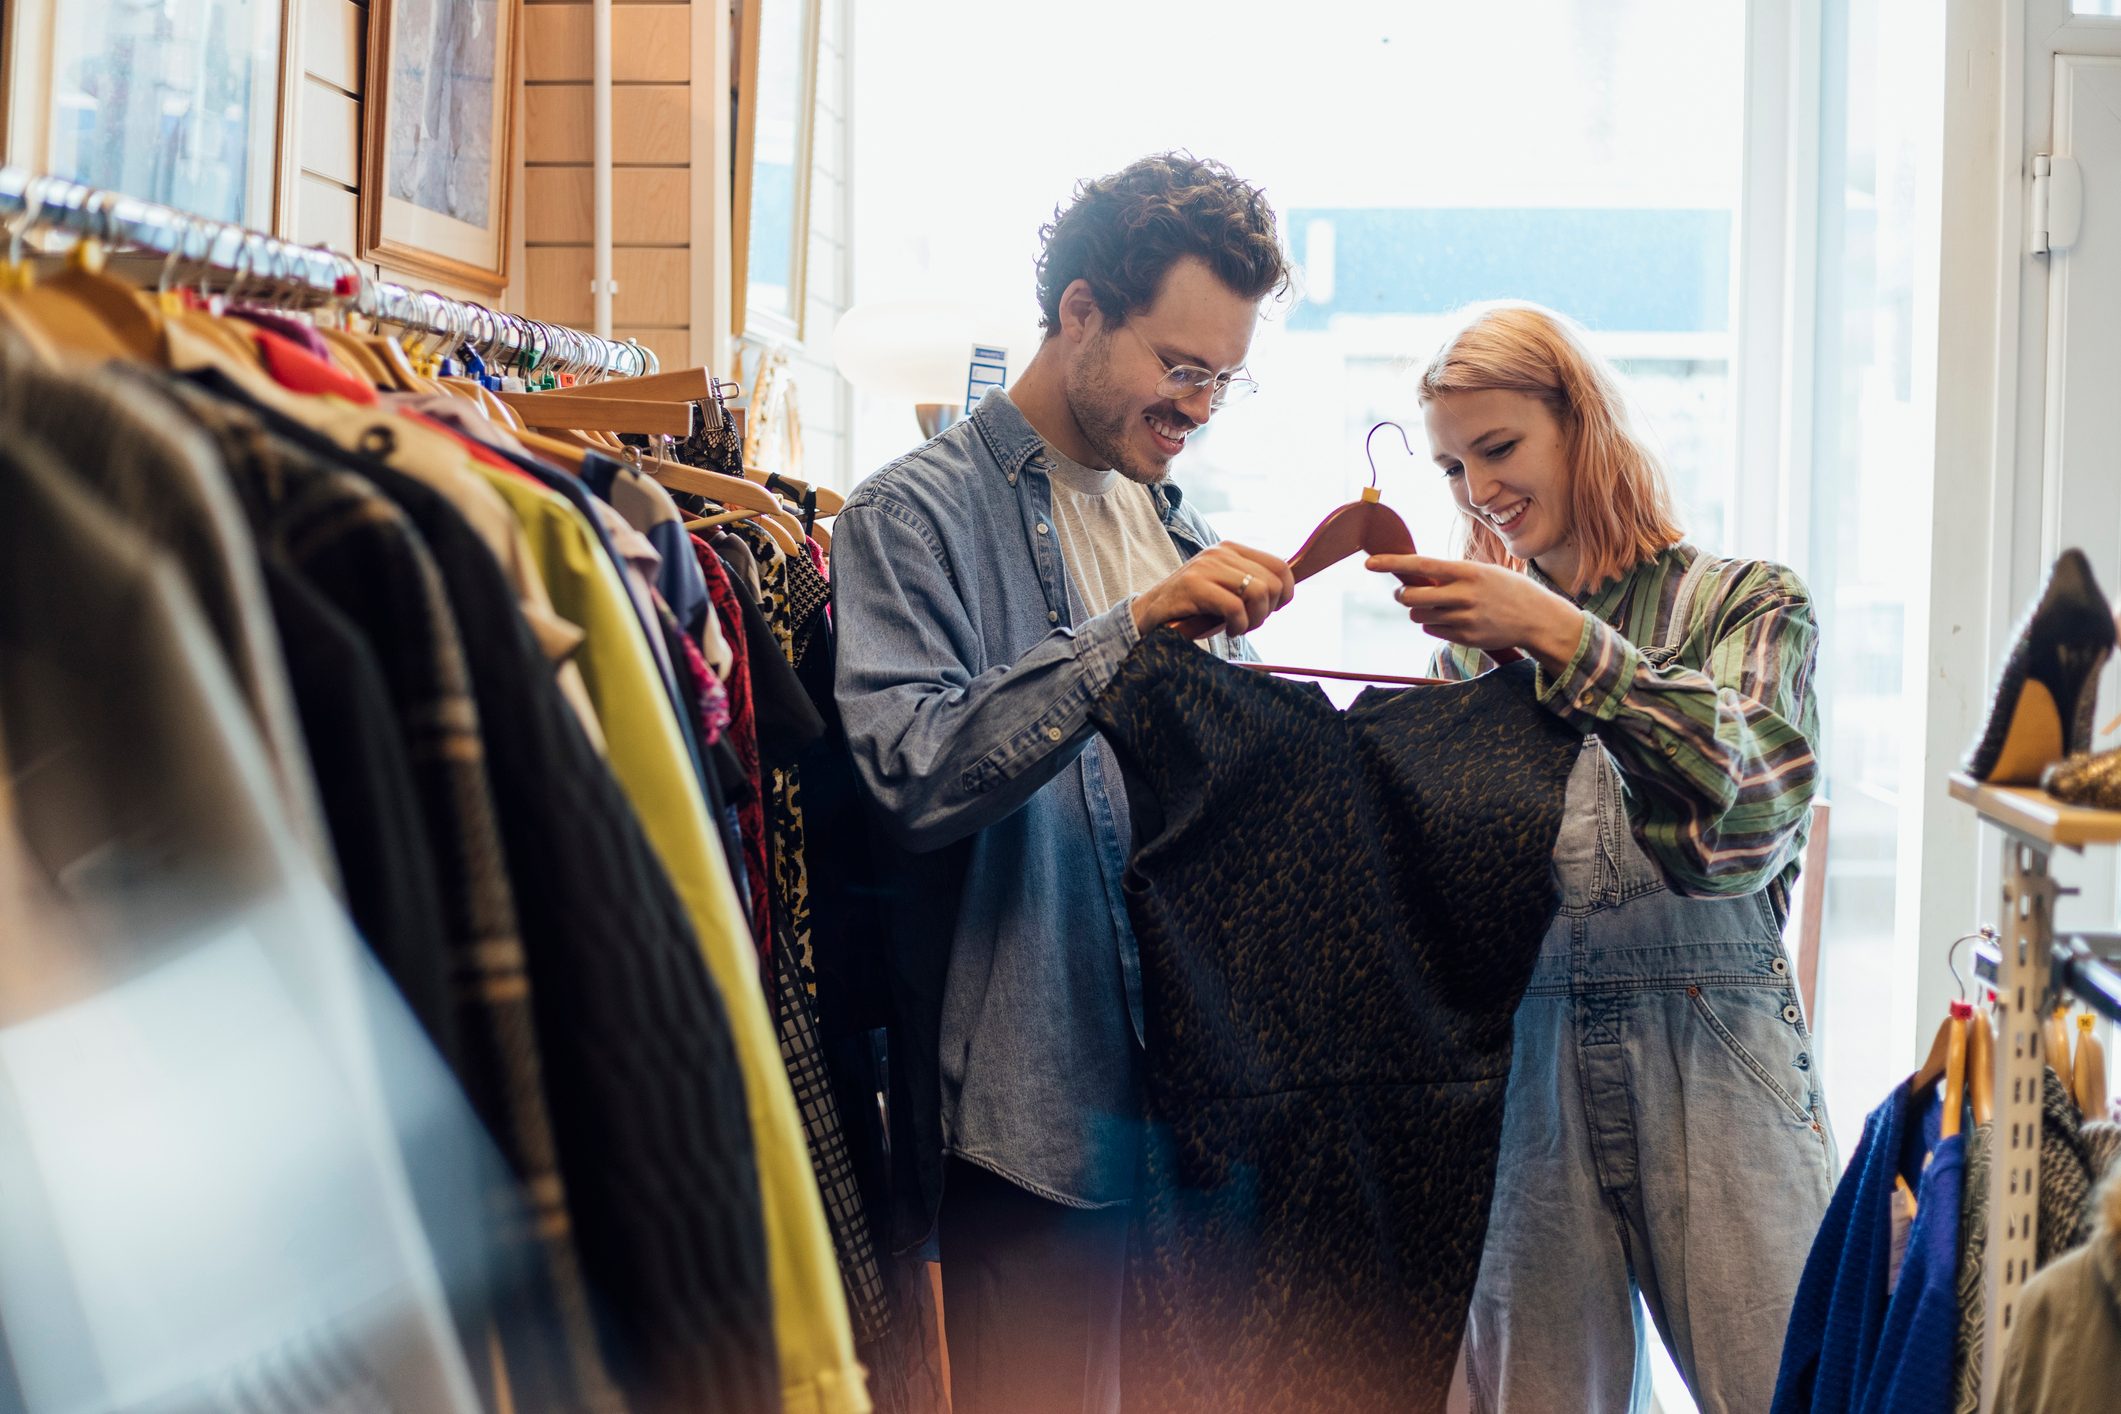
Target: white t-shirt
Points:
(1111, 538)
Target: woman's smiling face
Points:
(1508, 463)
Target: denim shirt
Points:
(965, 684)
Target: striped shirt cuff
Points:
(1590, 690)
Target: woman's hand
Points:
(1485, 607)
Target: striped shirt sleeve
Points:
(1719, 758)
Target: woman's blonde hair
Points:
(1620, 506)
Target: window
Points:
(174, 102)
(1584, 153)
(1873, 418)
(1420, 158)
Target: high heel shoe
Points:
(2042, 710)
(2092, 780)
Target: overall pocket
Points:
(1767, 1008)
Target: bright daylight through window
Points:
(1587, 154)
(1409, 182)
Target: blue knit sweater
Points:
(1851, 1348)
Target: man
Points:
(988, 587)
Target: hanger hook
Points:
(508, 348)
(1951, 958)
(32, 208)
(240, 280)
(453, 315)
(453, 331)
(1371, 456)
(169, 261)
(278, 280)
(434, 328)
(180, 257)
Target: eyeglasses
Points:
(1185, 380)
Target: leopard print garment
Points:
(784, 786)
(1336, 913)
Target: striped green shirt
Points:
(1714, 742)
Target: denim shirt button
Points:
(1054, 733)
(1052, 616)
(1790, 1013)
(1042, 527)
(1779, 967)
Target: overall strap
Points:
(1682, 621)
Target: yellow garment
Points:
(819, 1374)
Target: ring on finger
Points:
(1244, 584)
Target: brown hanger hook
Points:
(1371, 457)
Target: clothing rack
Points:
(2031, 969)
(2081, 968)
(233, 259)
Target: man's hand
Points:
(1488, 607)
(1227, 588)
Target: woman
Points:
(1665, 1133)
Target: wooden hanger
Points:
(1364, 526)
(2088, 1072)
(353, 353)
(399, 375)
(564, 409)
(687, 385)
(1981, 1065)
(499, 411)
(747, 500)
(731, 491)
(567, 454)
(87, 311)
(1947, 1062)
(1367, 526)
(78, 310)
(233, 335)
(81, 311)
(2054, 1042)
(1280, 670)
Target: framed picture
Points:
(178, 102)
(437, 145)
(776, 104)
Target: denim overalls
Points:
(1664, 1134)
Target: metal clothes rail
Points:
(2081, 968)
(278, 272)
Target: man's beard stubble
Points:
(1103, 413)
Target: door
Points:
(2076, 213)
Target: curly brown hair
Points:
(1123, 231)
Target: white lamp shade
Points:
(916, 351)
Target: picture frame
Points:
(192, 113)
(776, 123)
(438, 139)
